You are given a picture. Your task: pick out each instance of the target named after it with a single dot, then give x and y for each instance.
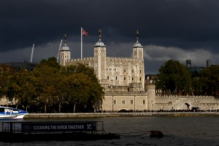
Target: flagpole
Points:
(81, 42)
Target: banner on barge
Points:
(24, 127)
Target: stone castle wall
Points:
(116, 100)
(185, 102)
(129, 101)
(123, 71)
(115, 71)
(89, 61)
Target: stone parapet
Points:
(121, 59)
(176, 96)
(139, 93)
(82, 59)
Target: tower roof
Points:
(99, 43)
(137, 44)
(65, 47)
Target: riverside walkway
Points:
(118, 114)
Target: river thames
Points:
(183, 131)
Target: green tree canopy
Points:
(24, 88)
(85, 92)
(49, 86)
(47, 73)
(173, 78)
(6, 79)
(208, 81)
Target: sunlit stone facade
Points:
(112, 71)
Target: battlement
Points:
(181, 97)
(82, 59)
(125, 94)
(120, 59)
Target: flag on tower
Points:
(84, 32)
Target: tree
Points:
(208, 82)
(61, 94)
(6, 78)
(174, 77)
(49, 86)
(24, 88)
(46, 73)
(52, 62)
(84, 89)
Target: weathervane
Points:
(137, 34)
(65, 38)
(100, 34)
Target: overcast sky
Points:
(169, 29)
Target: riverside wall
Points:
(186, 102)
(117, 114)
(148, 100)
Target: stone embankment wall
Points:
(186, 102)
(117, 114)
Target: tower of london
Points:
(123, 80)
(112, 71)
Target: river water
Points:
(183, 131)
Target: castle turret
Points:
(100, 58)
(139, 68)
(137, 49)
(65, 54)
(151, 102)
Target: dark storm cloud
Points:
(184, 24)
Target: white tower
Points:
(65, 54)
(100, 58)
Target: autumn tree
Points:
(86, 93)
(46, 73)
(24, 88)
(6, 80)
(49, 86)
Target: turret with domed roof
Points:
(137, 49)
(100, 58)
(65, 53)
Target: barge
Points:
(22, 131)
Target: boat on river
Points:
(11, 113)
(22, 131)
